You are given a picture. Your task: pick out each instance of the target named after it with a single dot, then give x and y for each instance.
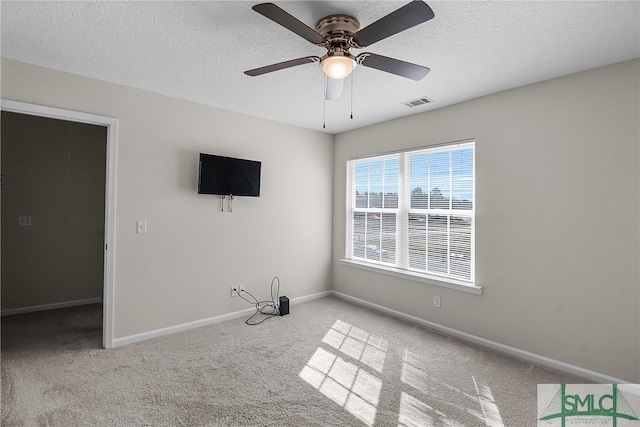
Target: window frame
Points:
(402, 212)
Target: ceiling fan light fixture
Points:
(338, 66)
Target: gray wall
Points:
(558, 190)
(55, 173)
(557, 205)
(182, 270)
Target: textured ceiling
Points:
(199, 50)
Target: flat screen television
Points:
(227, 176)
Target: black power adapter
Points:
(284, 306)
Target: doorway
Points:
(77, 122)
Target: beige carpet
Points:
(328, 363)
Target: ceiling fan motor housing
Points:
(336, 27)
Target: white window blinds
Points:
(414, 211)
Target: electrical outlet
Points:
(436, 301)
(141, 226)
(241, 288)
(24, 220)
(234, 290)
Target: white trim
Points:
(434, 147)
(205, 322)
(505, 349)
(401, 260)
(52, 306)
(143, 336)
(410, 275)
(310, 297)
(54, 113)
(502, 348)
(110, 195)
(108, 313)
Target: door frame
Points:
(110, 196)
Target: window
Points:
(414, 211)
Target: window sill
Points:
(410, 275)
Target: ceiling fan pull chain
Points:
(324, 104)
(351, 96)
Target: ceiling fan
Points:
(340, 33)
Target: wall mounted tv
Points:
(227, 176)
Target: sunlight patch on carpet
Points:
(426, 401)
(415, 413)
(345, 383)
(470, 396)
(357, 343)
(487, 402)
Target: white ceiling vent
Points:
(419, 101)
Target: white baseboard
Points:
(310, 297)
(522, 354)
(53, 306)
(117, 342)
(204, 322)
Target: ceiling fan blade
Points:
(333, 88)
(407, 16)
(290, 22)
(281, 66)
(393, 66)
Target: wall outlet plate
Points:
(436, 301)
(25, 220)
(235, 289)
(141, 226)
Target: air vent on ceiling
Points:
(419, 101)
